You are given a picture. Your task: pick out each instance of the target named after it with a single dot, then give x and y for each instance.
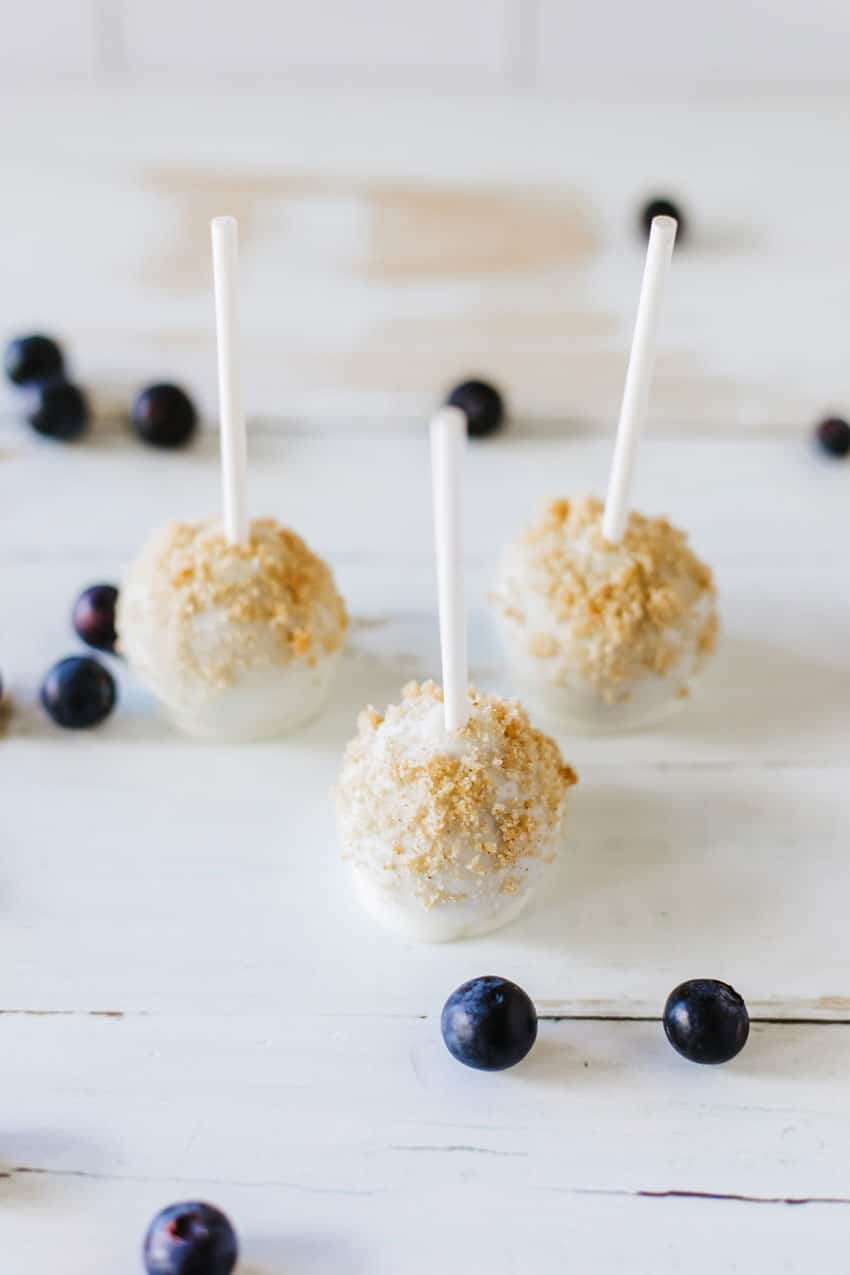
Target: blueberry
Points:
(93, 616)
(59, 410)
(191, 1238)
(706, 1021)
(661, 207)
(482, 404)
(164, 416)
(30, 359)
(78, 692)
(489, 1023)
(833, 436)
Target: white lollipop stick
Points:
(225, 246)
(662, 236)
(448, 444)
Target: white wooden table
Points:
(192, 1003)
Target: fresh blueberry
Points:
(59, 410)
(78, 692)
(706, 1021)
(489, 1023)
(191, 1238)
(661, 207)
(93, 616)
(30, 359)
(164, 416)
(482, 404)
(833, 436)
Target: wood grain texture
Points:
(732, 816)
(192, 1002)
(415, 245)
(194, 1005)
(357, 1143)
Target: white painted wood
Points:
(48, 38)
(358, 1144)
(748, 47)
(275, 1052)
(334, 41)
(428, 239)
(734, 811)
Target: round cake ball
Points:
(448, 834)
(605, 636)
(235, 642)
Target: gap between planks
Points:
(671, 1193)
(772, 1020)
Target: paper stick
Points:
(448, 445)
(225, 246)
(662, 236)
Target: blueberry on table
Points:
(661, 207)
(489, 1023)
(93, 616)
(706, 1021)
(31, 359)
(191, 1238)
(59, 410)
(164, 416)
(833, 436)
(482, 405)
(78, 692)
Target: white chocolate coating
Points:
(604, 637)
(235, 643)
(447, 835)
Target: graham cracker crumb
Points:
(458, 815)
(277, 598)
(613, 612)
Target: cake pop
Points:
(235, 625)
(608, 616)
(450, 803)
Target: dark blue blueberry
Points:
(191, 1238)
(164, 416)
(482, 404)
(489, 1023)
(59, 410)
(93, 616)
(706, 1021)
(661, 207)
(833, 436)
(30, 359)
(78, 692)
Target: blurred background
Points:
(429, 191)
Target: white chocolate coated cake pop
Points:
(235, 625)
(449, 803)
(608, 616)
(237, 642)
(448, 832)
(604, 636)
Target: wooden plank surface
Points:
(194, 1003)
(391, 249)
(356, 1144)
